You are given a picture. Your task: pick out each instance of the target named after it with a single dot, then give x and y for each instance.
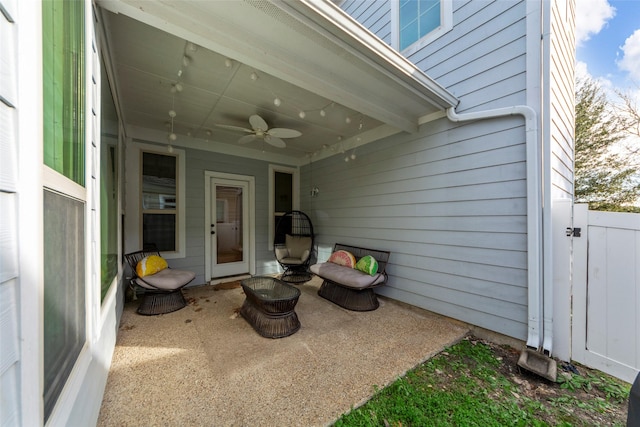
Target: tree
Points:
(604, 177)
(628, 109)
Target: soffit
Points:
(307, 53)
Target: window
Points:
(64, 291)
(416, 23)
(283, 195)
(64, 88)
(64, 195)
(159, 201)
(109, 214)
(282, 198)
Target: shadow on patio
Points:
(205, 365)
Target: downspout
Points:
(534, 216)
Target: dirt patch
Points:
(580, 397)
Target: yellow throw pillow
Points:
(150, 265)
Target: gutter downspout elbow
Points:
(535, 334)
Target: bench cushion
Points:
(346, 276)
(167, 279)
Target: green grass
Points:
(464, 386)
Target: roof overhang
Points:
(310, 43)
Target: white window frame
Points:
(446, 24)
(295, 172)
(133, 228)
(89, 195)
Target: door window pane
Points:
(229, 226)
(64, 291)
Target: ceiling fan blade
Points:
(284, 133)
(247, 139)
(275, 141)
(258, 122)
(235, 128)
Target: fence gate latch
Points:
(575, 232)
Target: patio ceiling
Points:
(233, 59)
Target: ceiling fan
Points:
(260, 129)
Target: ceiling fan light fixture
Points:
(260, 130)
(277, 102)
(172, 113)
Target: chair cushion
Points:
(345, 276)
(297, 245)
(367, 264)
(342, 257)
(281, 253)
(294, 261)
(167, 279)
(150, 265)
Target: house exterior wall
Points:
(374, 15)
(9, 270)
(22, 179)
(197, 162)
(559, 131)
(449, 202)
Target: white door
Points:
(228, 234)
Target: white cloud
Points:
(582, 72)
(591, 17)
(631, 56)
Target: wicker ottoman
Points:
(269, 306)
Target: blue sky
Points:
(608, 50)
(608, 42)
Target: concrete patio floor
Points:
(204, 365)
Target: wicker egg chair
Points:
(294, 246)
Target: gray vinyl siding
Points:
(197, 162)
(9, 270)
(481, 60)
(372, 14)
(449, 202)
(562, 99)
(450, 205)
